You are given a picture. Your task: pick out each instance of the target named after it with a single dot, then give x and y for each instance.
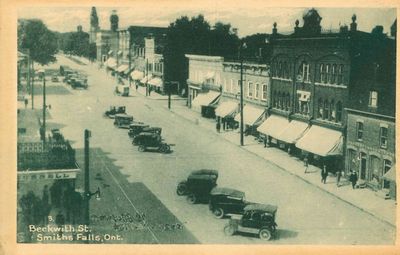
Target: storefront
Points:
(156, 84)
(252, 118)
(272, 127)
(206, 103)
(390, 177)
(226, 112)
(322, 146)
(111, 63)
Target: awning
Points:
(251, 115)
(119, 52)
(111, 63)
(110, 52)
(129, 70)
(146, 79)
(137, 75)
(294, 131)
(273, 126)
(226, 108)
(321, 141)
(205, 99)
(156, 82)
(391, 174)
(122, 68)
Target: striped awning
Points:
(156, 82)
(137, 75)
(251, 115)
(111, 63)
(122, 68)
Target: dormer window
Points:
(373, 99)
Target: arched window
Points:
(274, 99)
(334, 74)
(321, 73)
(376, 169)
(339, 111)
(326, 110)
(288, 100)
(284, 70)
(278, 95)
(328, 75)
(280, 70)
(304, 71)
(340, 74)
(320, 109)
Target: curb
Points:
(298, 176)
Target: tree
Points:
(41, 42)
(195, 36)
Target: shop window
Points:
(256, 90)
(320, 109)
(326, 110)
(383, 134)
(288, 101)
(264, 92)
(360, 130)
(387, 164)
(332, 112)
(373, 99)
(375, 169)
(278, 95)
(339, 111)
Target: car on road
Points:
(54, 78)
(122, 90)
(138, 139)
(123, 120)
(224, 201)
(114, 110)
(80, 82)
(150, 141)
(198, 185)
(257, 219)
(136, 128)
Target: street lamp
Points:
(43, 128)
(242, 46)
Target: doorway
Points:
(363, 166)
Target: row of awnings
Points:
(315, 139)
(123, 68)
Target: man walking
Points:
(338, 176)
(305, 160)
(218, 126)
(353, 179)
(324, 174)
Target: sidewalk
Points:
(364, 199)
(154, 95)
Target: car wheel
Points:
(265, 234)
(191, 199)
(141, 148)
(181, 189)
(162, 148)
(218, 213)
(229, 230)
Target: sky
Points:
(249, 19)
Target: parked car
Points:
(225, 201)
(54, 78)
(80, 81)
(153, 142)
(136, 128)
(114, 110)
(122, 90)
(198, 185)
(139, 138)
(257, 219)
(123, 120)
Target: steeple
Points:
(353, 25)
(312, 22)
(94, 25)
(114, 21)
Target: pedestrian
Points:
(26, 102)
(137, 86)
(338, 176)
(265, 141)
(305, 161)
(218, 126)
(353, 179)
(223, 124)
(324, 174)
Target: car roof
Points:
(147, 134)
(227, 192)
(151, 128)
(261, 207)
(202, 177)
(204, 172)
(138, 124)
(123, 115)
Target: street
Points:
(306, 215)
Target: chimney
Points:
(344, 29)
(377, 30)
(353, 25)
(296, 28)
(274, 30)
(79, 28)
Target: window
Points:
(280, 75)
(340, 74)
(264, 92)
(339, 111)
(383, 137)
(231, 89)
(360, 130)
(274, 100)
(328, 75)
(326, 110)
(288, 101)
(250, 89)
(225, 85)
(238, 87)
(279, 105)
(332, 112)
(285, 70)
(375, 169)
(322, 73)
(304, 71)
(373, 99)
(387, 164)
(334, 74)
(320, 109)
(256, 91)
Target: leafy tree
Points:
(195, 36)
(41, 42)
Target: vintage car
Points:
(80, 81)
(151, 141)
(225, 201)
(123, 120)
(136, 128)
(198, 185)
(54, 78)
(114, 110)
(122, 90)
(257, 219)
(138, 139)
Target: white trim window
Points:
(225, 86)
(256, 90)
(383, 137)
(238, 87)
(359, 130)
(250, 89)
(373, 99)
(231, 89)
(264, 92)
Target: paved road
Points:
(306, 215)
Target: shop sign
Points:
(28, 176)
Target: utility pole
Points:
(130, 59)
(87, 187)
(241, 94)
(147, 76)
(28, 79)
(44, 105)
(169, 94)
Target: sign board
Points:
(57, 174)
